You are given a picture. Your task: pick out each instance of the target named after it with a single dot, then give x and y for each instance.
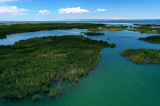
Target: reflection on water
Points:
(116, 81)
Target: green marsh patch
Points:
(33, 65)
(93, 33)
(109, 28)
(151, 39)
(142, 56)
(32, 27)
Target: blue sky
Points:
(55, 10)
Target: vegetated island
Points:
(32, 65)
(142, 56)
(13, 28)
(32, 27)
(109, 28)
(152, 39)
(93, 33)
(146, 28)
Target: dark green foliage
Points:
(146, 29)
(33, 65)
(31, 27)
(52, 93)
(55, 92)
(58, 90)
(109, 28)
(152, 39)
(45, 88)
(142, 56)
(113, 46)
(36, 97)
(93, 33)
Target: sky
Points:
(58, 10)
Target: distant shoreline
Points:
(117, 23)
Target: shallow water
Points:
(116, 81)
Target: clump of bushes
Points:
(45, 89)
(55, 92)
(36, 97)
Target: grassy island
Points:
(33, 65)
(32, 27)
(142, 56)
(148, 28)
(152, 39)
(109, 28)
(93, 33)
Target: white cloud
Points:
(118, 18)
(44, 12)
(12, 10)
(101, 10)
(72, 10)
(1, 1)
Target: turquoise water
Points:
(116, 81)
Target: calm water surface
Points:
(114, 82)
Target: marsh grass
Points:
(36, 97)
(142, 56)
(45, 88)
(33, 65)
(94, 33)
(57, 91)
(151, 39)
(109, 28)
(146, 29)
(32, 27)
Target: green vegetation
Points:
(52, 93)
(93, 33)
(146, 29)
(45, 88)
(152, 39)
(109, 28)
(36, 97)
(31, 27)
(142, 56)
(32, 65)
(55, 92)
(147, 25)
(143, 28)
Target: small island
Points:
(109, 28)
(146, 28)
(93, 33)
(152, 39)
(142, 56)
(32, 65)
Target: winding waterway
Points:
(116, 81)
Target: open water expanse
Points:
(116, 81)
(131, 21)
